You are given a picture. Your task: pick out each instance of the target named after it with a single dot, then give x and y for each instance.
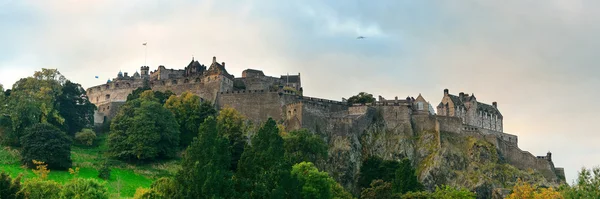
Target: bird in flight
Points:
(360, 37)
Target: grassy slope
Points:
(125, 178)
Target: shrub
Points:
(81, 188)
(85, 137)
(104, 172)
(46, 143)
(9, 188)
(142, 193)
(38, 188)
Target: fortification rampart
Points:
(256, 105)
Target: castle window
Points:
(420, 106)
(108, 107)
(116, 85)
(174, 81)
(107, 97)
(107, 86)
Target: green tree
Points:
(448, 192)
(374, 168)
(406, 179)
(361, 98)
(262, 170)
(38, 188)
(143, 130)
(86, 137)
(316, 184)
(205, 168)
(46, 143)
(81, 188)
(160, 96)
(586, 186)
(75, 108)
(189, 113)
(9, 188)
(230, 125)
(304, 146)
(378, 189)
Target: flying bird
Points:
(360, 37)
(144, 43)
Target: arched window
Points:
(117, 85)
(107, 96)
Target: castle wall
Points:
(256, 105)
(449, 124)
(525, 160)
(259, 82)
(113, 91)
(293, 115)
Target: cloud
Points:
(536, 59)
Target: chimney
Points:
(223, 64)
(461, 95)
(495, 104)
(445, 91)
(214, 59)
(126, 74)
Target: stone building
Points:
(471, 111)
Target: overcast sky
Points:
(537, 59)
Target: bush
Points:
(104, 172)
(46, 143)
(81, 188)
(142, 193)
(9, 188)
(38, 188)
(85, 137)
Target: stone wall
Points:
(525, 160)
(256, 105)
(113, 91)
(259, 82)
(448, 124)
(106, 111)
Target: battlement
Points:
(319, 100)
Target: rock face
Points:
(441, 154)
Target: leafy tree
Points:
(189, 113)
(81, 188)
(8, 136)
(161, 97)
(448, 192)
(164, 188)
(104, 171)
(379, 190)
(304, 146)
(586, 186)
(316, 184)
(230, 125)
(75, 108)
(361, 98)
(374, 168)
(46, 143)
(205, 168)
(405, 179)
(85, 137)
(38, 188)
(262, 171)
(9, 188)
(143, 130)
(524, 190)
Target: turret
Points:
(495, 104)
(445, 92)
(145, 70)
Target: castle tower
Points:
(145, 71)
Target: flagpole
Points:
(145, 52)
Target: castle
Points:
(259, 97)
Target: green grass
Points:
(125, 178)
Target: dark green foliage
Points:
(304, 146)
(83, 189)
(86, 137)
(374, 168)
(46, 143)
(406, 179)
(76, 109)
(8, 136)
(230, 125)
(161, 97)
(37, 188)
(205, 168)
(313, 183)
(587, 185)
(164, 188)
(378, 189)
(9, 188)
(143, 130)
(262, 170)
(361, 98)
(104, 171)
(189, 112)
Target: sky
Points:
(537, 59)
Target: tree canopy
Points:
(361, 98)
(46, 143)
(230, 124)
(143, 130)
(189, 112)
(304, 146)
